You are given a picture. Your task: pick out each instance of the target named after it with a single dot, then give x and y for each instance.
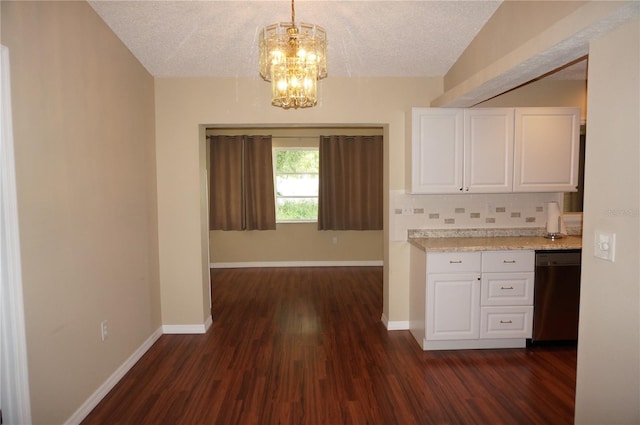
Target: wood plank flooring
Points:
(306, 346)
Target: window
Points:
(296, 177)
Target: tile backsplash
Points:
(466, 211)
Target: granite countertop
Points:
(495, 243)
(435, 240)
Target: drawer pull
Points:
(455, 261)
(506, 321)
(509, 261)
(506, 287)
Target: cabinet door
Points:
(547, 144)
(453, 306)
(436, 153)
(488, 150)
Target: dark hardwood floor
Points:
(306, 346)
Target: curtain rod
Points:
(275, 137)
(294, 137)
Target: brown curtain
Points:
(260, 206)
(241, 194)
(350, 192)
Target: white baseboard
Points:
(111, 382)
(188, 329)
(397, 325)
(250, 264)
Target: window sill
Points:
(296, 221)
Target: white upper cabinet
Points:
(488, 150)
(546, 151)
(493, 150)
(437, 150)
(462, 150)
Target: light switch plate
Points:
(605, 245)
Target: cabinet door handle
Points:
(509, 261)
(506, 321)
(455, 261)
(506, 287)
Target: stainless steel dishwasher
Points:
(556, 301)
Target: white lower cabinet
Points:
(471, 299)
(453, 306)
(507, 294)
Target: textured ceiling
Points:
(366, 38)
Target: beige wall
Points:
(608, 377)
(297, 243)
(84, 147)
(185, 106)
(544, 92)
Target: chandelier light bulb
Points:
(282, 86)
(276, 56)
(307, 84)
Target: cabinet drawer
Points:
(507, 288)
(506, 322)
(453, 262)
(508, 261)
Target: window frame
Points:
(275, 181)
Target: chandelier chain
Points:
(293, 15)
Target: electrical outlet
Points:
(605, 246)
(104, 330)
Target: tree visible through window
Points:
(296, 177)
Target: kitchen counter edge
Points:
(496, 243)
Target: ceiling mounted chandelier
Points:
(293, 58)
